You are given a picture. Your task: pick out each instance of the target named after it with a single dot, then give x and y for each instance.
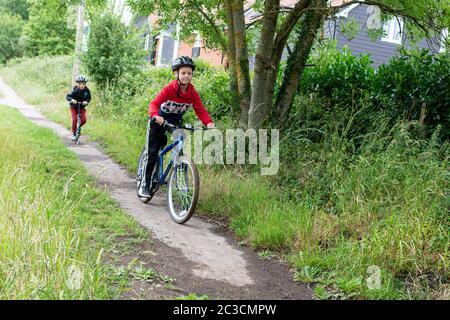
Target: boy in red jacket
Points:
(170, 104)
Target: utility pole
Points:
(80, 26)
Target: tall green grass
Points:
(56, 227)
(337, 206)
(42, 81)
(386, 205)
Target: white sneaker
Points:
(74, 138)
(143, 192)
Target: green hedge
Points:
(412, 86)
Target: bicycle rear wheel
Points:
(140, 175)
(183, 190)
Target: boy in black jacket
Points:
(80, 93)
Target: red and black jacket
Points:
(171, 103)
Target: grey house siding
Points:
(379, 51)
(433, 45)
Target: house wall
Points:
(380, 51)
(213, 57)
(172, 49)
(184, 49)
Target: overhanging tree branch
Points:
(423, 25)
(287, 27)
(213, 25)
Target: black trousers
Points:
(156, 139)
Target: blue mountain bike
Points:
(180, 176)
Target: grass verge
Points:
(58, 228)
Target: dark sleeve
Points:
(88, 99)
(69, 96)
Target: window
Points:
(195, 52)
(393, 30)
(197, 46)
(147, 42)
(167, 46)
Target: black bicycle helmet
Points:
(183, 61)
(81, 78)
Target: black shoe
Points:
(143, 192)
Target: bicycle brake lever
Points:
(167, 124)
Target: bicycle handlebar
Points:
(78, 103)
(186, 127)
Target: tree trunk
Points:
(297, 61)
(231, 55)
(242, 65)
(259, 105)
(281, 42)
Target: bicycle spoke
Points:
(182, 194)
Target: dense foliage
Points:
(412, 86)
(17, 7)
(10, 32)
(46, 31)
(113, 50)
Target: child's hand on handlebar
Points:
(73, 101)
(211, 126)
(85, 103)
(159, 120)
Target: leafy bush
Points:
(213, 85)
(17, 7)
(342, 88)
(113, 50)
(343, 79)
(10, 32)
(46, 31)
(416, 86)
(128, 98)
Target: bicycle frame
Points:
(178, 145)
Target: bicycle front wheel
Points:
(183, 190)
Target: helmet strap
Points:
(179, 83)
